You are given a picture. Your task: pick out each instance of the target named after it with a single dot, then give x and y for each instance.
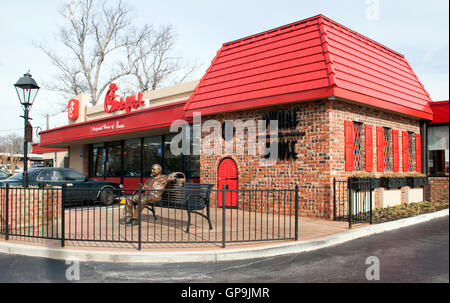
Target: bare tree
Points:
(105, 46)
(11, 144)
(156, 62)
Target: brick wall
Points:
(437, 189)
(320, 151)
(29, 209)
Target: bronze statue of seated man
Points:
(153, 190)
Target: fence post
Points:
(7, 213)
(371, 201)
(63, 221)
(349, 206)
(296, 212)
(334, 199)
(139, 217)
(224, 187)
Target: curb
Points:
(214, 255)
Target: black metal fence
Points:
(353, 201)
(69, 214)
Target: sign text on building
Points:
(111, 104)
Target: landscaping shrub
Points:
(381, 215)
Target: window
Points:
(151, 154)
(71, 175)
(357, 146)
(50, 175)
(112, 162)
(438, 150)
(192, 162)
(387, 149)
(132, 158)
(172, 163)
(98, 156)
(411, 147)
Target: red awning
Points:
(310, 59)
(440, 112)
(137, 123)
(37, 149)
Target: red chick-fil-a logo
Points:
(111, 104)
(73, 109)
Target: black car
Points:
(4, 175)
(79, 187)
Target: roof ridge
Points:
(361, 36)
(327, 54)
(271, 30)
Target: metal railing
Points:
(69, 214)
(353, 201)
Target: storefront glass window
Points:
(192, 162)
(132, 158)
(112, 163)
(152, 152)
(98, 159)
(438, 150)
(172, 163)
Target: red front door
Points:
(228, 175)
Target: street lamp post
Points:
(27, 89)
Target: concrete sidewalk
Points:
(313, 234)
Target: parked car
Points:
(4, 175)
(8, 168)
(79, 187)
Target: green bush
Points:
(381, 215)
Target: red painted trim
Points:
(375, 102)
(262, 102)
(405, 151)
(349, 145)
(396, 151)
(380, 148)
(368, 148)
(418, 153)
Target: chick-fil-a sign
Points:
(111, 104)
(73, 109)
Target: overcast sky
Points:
(417, 29)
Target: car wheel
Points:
(107, 196)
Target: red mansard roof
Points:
(310, 59)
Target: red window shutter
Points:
(418, 154)
(395, 150)
(349, 157)
(405, 151)
(380, 148)
(369, 148)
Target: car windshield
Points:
(19, 176)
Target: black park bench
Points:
(192, 197)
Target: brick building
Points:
(359, 107)
(344, 104)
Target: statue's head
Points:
(156, 170)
